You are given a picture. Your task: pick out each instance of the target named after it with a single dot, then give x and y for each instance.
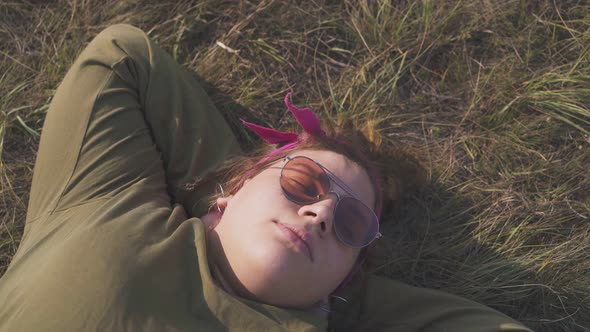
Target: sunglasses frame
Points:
(333, 178)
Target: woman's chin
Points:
(277, 284)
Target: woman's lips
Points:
(294, 236)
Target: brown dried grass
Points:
(491, 96)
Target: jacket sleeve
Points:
(389, 305)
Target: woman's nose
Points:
(320, 213)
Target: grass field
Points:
(492, 97)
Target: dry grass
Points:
(492, 96)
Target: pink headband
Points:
(288, 140)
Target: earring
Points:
(325, 308)
(222, 195)
(339, 298)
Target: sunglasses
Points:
(305, 181)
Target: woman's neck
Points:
(210, 220)
(219, 279)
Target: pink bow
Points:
(308, 121)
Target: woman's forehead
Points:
(352, 174)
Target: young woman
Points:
(112, 241)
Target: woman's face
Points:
(255, 247)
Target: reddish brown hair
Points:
(393, 170)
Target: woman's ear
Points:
(222, 202)
(212, 218)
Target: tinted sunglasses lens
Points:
(355, 224)
(303, 180)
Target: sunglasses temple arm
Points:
(338, 181)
